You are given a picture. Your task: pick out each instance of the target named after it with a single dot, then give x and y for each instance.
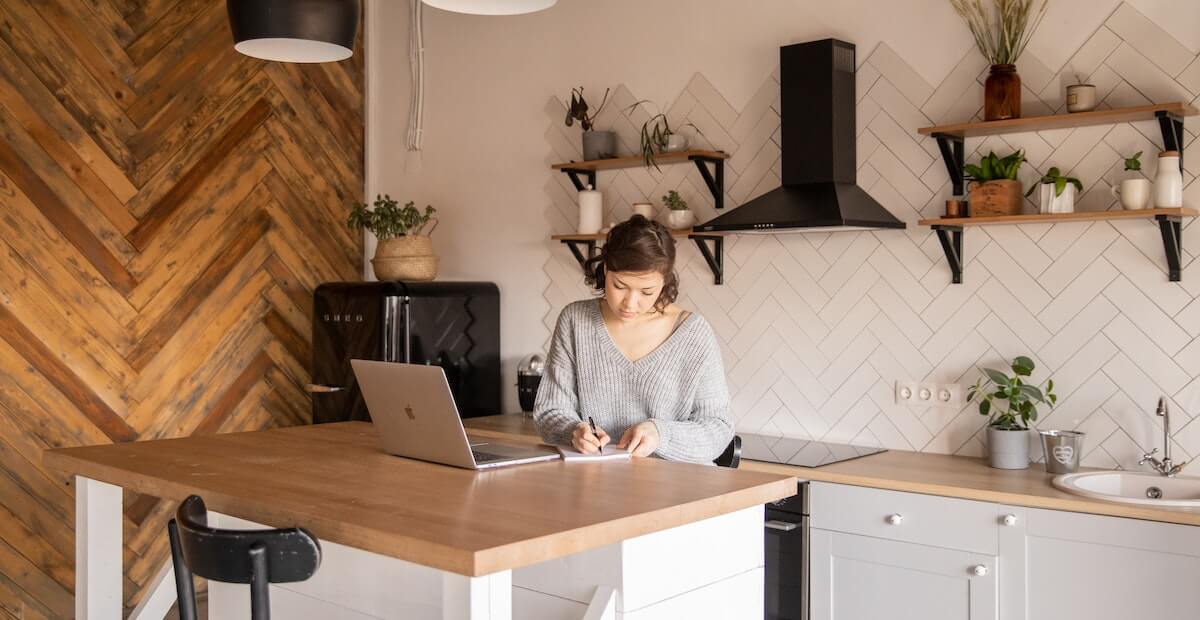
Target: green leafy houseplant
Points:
(1134, 163)
(1022, 399)
(674, 201)
(1060, 182)
(579, 110)
(388, 219)
(993, 168)
(655, 134)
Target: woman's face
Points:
(632, 294)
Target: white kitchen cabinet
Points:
(856, 577)
(1064, 566)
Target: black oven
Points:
(786, 571)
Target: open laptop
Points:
(414, 412)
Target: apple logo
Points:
(408, 410)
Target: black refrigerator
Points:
(455, 325)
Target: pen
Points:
(592, 423)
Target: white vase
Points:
(1064, 203)
(678, 219)
(1133, 193)
(1168, 183)
(591, 211)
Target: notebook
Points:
(609, 453)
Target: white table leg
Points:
(158, 597)
(603, 605)
(477, 598)
(97, 550)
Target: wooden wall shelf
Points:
(950, 137)
(715, 180)
(584, 247)
(1170, 221)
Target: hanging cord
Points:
(416, 112)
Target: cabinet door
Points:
(1068, 566)
(858, 577)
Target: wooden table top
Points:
(917, 472)
(336, 481)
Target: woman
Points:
(640, 367)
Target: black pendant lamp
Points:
(294, 30)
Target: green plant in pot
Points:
(1001, 32)
(1008, 426)
(1057, 192)
(1134, 189)
(679, 216)
(658, 137)
(405, 250)
(994, 188)
(596, 144)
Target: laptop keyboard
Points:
(486, 457)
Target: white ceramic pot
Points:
(1168, 183)
(676, 143)
(1008, 449)
(678, 219)
(1133, 193)
(1064, 203)
(643, 209)
(591, 211)
(1081, 98)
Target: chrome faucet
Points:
(1165, 467)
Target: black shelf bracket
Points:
(574, 174)
(1171, 126)
(1172, 236)
(715, 257)
(714, 180)
(951, 147)
(575, 244)
(951, 238)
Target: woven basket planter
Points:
(409, 257)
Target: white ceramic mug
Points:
(1133, 193)
(643, 209)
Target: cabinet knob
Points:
(895, 519)
(1010, 519)
(979, 570)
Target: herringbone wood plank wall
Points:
(166, 208)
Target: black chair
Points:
(256, 557)
(732, 456)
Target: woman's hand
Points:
(640, 439)
(585, 441)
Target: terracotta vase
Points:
(1002, 93)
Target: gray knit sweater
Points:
(680, 386)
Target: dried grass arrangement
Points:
(1002, 31)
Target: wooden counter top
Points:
(932, 474)
(336, 481)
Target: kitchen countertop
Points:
(336, 481)
(917, 472)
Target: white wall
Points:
(816, 328)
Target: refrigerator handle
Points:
(395, 329)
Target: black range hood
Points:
(817, 127)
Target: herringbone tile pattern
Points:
(817, 328)
(166, 208)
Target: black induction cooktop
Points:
(800, 452)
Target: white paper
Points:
(609, 453)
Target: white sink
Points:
(1131, 487)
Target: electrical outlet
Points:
(950, 395)
(927, 393)
(906, 392)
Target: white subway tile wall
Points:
(816, 328)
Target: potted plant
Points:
(1057, 192)
(678, 214)
(994, 188)
(596, 144)
(405, 251)
(1134, 191)
(658, 137)
(1081, 97)
(1008, 428)
(1001, 33)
